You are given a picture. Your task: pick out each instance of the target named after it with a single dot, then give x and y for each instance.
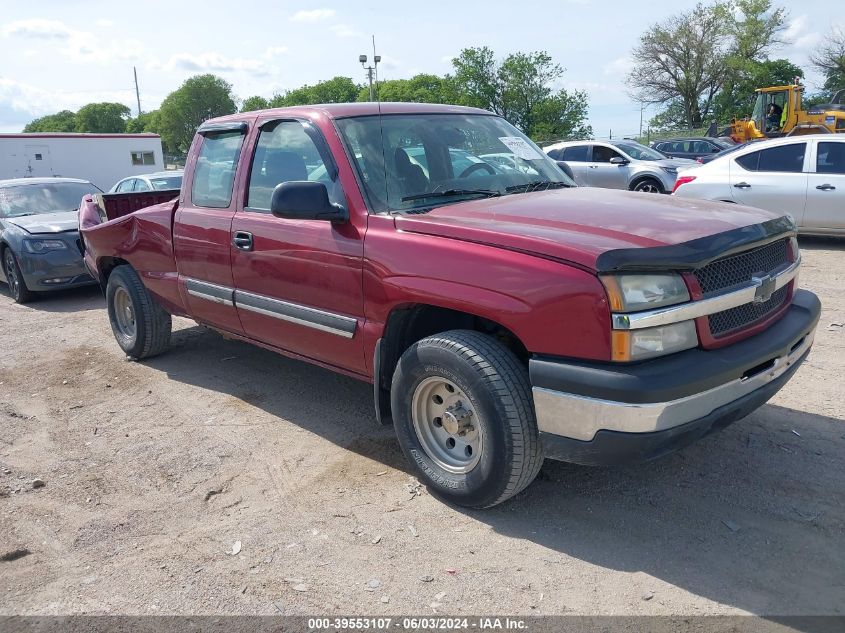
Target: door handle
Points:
(242, 240)
(742, 185)
(826, 187)
(593, 166)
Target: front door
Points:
(826, 188)
(202, 227)
(773, 179)
(602, 173)
(298, 283)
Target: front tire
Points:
(17, 285)
(140, 325)
(464, 416)
(648, 185)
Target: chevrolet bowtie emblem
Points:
(765, 287)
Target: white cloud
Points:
(35, 101)
(38, 28)
(104, 23)
(619, 66)
(313, 15)
(799, 34)
(213, 62)
(344, 30)
(274, 51)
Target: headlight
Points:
(630, 345)
(631, 292)
(670, 170)
(42, 246)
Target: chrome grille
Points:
(728, 321)
(740, 268)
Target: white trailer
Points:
(102, 159)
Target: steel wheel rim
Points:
(11, 273)
(647, 187)
(124, 313)
(447, 425)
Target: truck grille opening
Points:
(740, 268)
(728, 321)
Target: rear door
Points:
(603, 173)
(203, 224)
(576, 156)
(298, 283)
(826, 188)
(773, 179)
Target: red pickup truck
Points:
(502, 314)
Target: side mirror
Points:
(305, 200)
(618, 160)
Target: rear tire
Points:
(464, 415)
(648, 185)
(140, 325)
(14, 278)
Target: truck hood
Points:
(580, 224)
(47, 222)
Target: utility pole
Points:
(137, 92)
(372, 71)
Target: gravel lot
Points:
(155, 472)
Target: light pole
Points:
(371, 70)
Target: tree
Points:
(251, 104)
(144, 122)
(683, 60)
(520, 89)
(334, 90)
(198, 99)
(830, 60)
(422, 88)
(102, 118)
(64, 121)
(753, 28)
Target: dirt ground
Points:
(154, 472)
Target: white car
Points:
(158, 181)
(803, 176)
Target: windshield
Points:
(37, 198)
(170, 182)
(414, 161)
(639, 152)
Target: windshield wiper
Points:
(448, 193)
(536, 185)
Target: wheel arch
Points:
(639, 178)
(406, 324)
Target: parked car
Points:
(692, 148)
(729, 150)
(159, 181)
(39, 235)
(803, 176)
(501, 317)
(618, 165)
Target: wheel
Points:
(648, 185)
(464, 416)
(140, 325)
(17, 285)
(476, 167)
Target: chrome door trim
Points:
(210, 292)
(295, 313)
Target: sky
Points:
(62, 54)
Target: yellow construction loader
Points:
(778, 112)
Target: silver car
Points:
(158, 181)
(803, 176)
(619, 165)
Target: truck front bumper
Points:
(601, 413)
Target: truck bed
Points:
(115, 205)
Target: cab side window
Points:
(214, 173)
(125, 186)
(285, 153)
(576, 154)
(602, 154)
